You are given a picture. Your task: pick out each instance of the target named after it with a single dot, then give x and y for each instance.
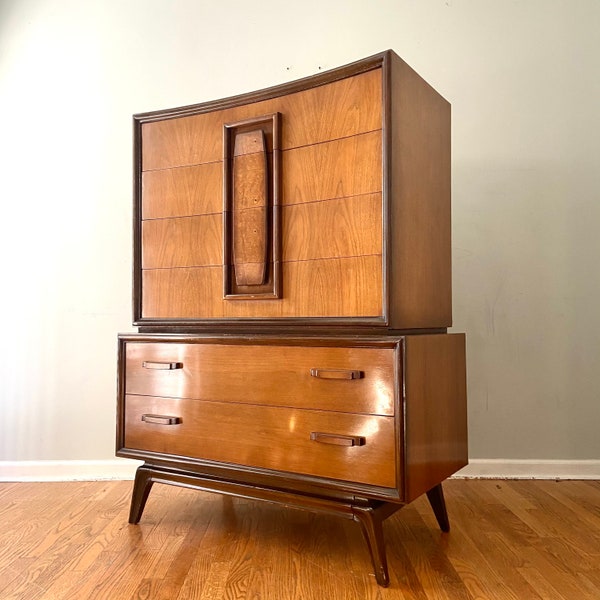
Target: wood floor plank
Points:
(509, 540)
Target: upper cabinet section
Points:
(323, 202)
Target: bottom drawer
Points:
(308, 442)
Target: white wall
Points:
(523, 81)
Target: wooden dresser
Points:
(292, 290)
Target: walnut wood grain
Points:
(420, 244)
(345, 227)
(334, 228)
(335, 110)
(309, 291)
(335, 169)
(276, 375)
(436, 416)
(182, 191)
(182, 242)
(220, 431)
(402, 151)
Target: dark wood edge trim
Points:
(274, 480)
(137, 221)
(399, 405)
(354, 68)
(348, 322)
(242, 490)
(386, 197)
(272, 339)
(276, 216)
(279, 329)
(120, 432)
(402, 415)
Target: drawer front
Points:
(353, 227)
(351, 380)
(337, 110)
(328, 288)
(309, 442)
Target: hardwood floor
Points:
(517, 540)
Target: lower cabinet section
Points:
(353, 426)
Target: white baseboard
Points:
(120, 468)
(530, 469)
(68, 470)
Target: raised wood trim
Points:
(355, 68)
(251, 199)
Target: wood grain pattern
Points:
(250, 205)
(421, 254)
(335, 169)
(345, 227)
(276, 375)
(334, 228)
(281, 440)
(340, 109)
(506, 543)
(182, 242)
(307, 292)
(183, 191)
(382, 131)
(436, 416)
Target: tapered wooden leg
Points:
(141, 488)
(371, 520)
(436, 499)
(373, 531)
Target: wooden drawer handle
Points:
(162, 366)
(337, 440)
(336, 374)
(161, 419)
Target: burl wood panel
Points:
(420, 208)
(345, 287)
(268, 437)
(270, 375)
(250, 204)
(436, 410)
(336, 110)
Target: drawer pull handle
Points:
(336, 439)
(162, 366)
(161, 419)
(336, 374)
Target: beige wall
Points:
(523, 81)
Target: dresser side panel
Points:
(435, 410)
(421, 270)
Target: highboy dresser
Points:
(292, 290)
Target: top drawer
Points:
(337, 110)
(354, 380)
